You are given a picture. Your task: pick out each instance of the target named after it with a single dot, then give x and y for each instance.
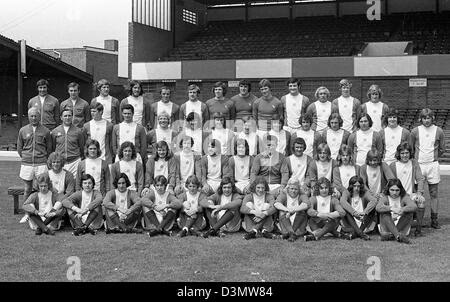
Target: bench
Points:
(15, 192)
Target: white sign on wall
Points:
(233, 84)
(420, 82)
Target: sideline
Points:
(12, 156)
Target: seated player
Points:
(84, 207)
(324, 211)
(239, 166)
(162, 133)
(43, 209)
(249, 134)
(162, 163)
(345, 169)
(214, 166)
(335, 136)
(408, 171)
(292, 207)
(160, 209)
(272, 166)
(283, 136)
(122, 207)
(359, 206)
(222, 209)
(94, 166)
(191, 220)
(375, 173)
(312, 138)
(258, 209)
(322, 166)
(299, 164)
(188, 164)
(129, 165)
(222, 134)
(396, 211)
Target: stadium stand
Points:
(314, 36)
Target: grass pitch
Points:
(132, 257)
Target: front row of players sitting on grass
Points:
(292, 212)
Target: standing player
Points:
(392, 136)
(68, 140)
(374, 107)
(111, 105)
(34, 145)
(428, 143)
(243, 102)
(80, 108)
(193, 104)
(321, 109)
(165, 105)
(362, 140)
(348, 107)
(47, 105)
(295, 105)
(220, 104)
(130, 131)
(265, 107)
(141, 112)
(100, 129)
(248, 133)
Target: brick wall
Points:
(102, 66)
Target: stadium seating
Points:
(313, 36)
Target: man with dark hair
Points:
(272, 166)
(100, 130)
(265, 107)
(131, 132)
(80, 108)
(47, 105)
(243, 102)
(294, 104)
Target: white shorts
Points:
(73, 167)
(431, 172)
(29, 172)
(291, 130)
